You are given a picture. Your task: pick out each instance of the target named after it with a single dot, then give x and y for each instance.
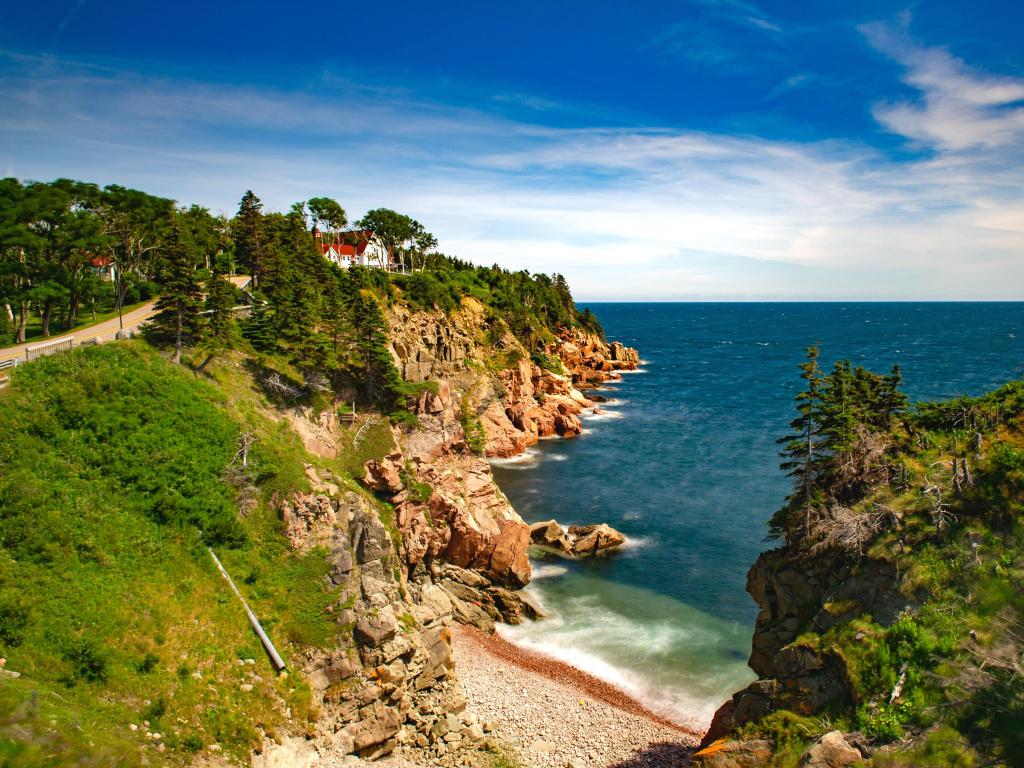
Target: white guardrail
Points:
(49, 347)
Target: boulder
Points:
(383, 475)
(376, 628)
(594, 539)
(734, 754)
(547, 533)
(830, 751)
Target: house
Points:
(359, 247)
(104, 267)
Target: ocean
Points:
(685, 463)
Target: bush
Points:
(88, 661)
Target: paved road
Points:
(105, 330)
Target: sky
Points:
(687, 150)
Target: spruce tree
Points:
(178, 308)
(381, 381)
(219, 300)
(800, 448)
(250, 238)
(258, 328)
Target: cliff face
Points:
(453, 548)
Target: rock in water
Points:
(594, 539)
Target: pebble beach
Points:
(552, 715)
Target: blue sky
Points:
(712, 149)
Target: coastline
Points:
(551, 714)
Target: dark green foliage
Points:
(88, 661)
(840, 440)
(380, 379)
(938, 492)
(178, 308)
(221, 296)
(258, 328)
(124, 425)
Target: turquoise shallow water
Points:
(685, 464)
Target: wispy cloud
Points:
(644, 212)
(959, 107)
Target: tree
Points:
(179, 305)
(250, 238)
(381, 381)
(800, 447)
(137, 225)
(220, 298)
(396, 231)
(324, 210)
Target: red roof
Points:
(351, 243)
(101, 261)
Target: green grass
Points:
(112, 461)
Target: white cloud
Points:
(960, 108)
(623, 213)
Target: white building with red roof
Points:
(358, 247)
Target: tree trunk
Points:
(72, 310)
(177, 341)
(47, 311)
(22, 322)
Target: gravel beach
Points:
(554, 716)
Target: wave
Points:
(637, 542)
(635, 370)
(556, 456)
(525, 460)
(548, 571)
(594, 644)
(603, 416)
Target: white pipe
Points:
(275, 657)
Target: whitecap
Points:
(556, 456)
(525, 460)
(547, 571)
(635, 370)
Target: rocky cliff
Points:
(431, 539)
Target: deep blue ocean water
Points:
(685, 463)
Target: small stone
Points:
(161, 748)
(214, 747)
(246, 687)
(133, 727)
(250, 661)
(542, 746)
(197, 675)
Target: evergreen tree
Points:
(178, 308)
(800, 448)
(258, 328)
(220, 295)
(250, 239)
(382, 383)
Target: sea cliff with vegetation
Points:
(890, 628)
(325, 434)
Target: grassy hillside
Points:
(116, 467)
(939, 495)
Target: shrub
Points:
(88, 661)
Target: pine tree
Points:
(178, 308)
(250, 238)
(800, 448)
(219, 300)
(381, 381)
(258, 329)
